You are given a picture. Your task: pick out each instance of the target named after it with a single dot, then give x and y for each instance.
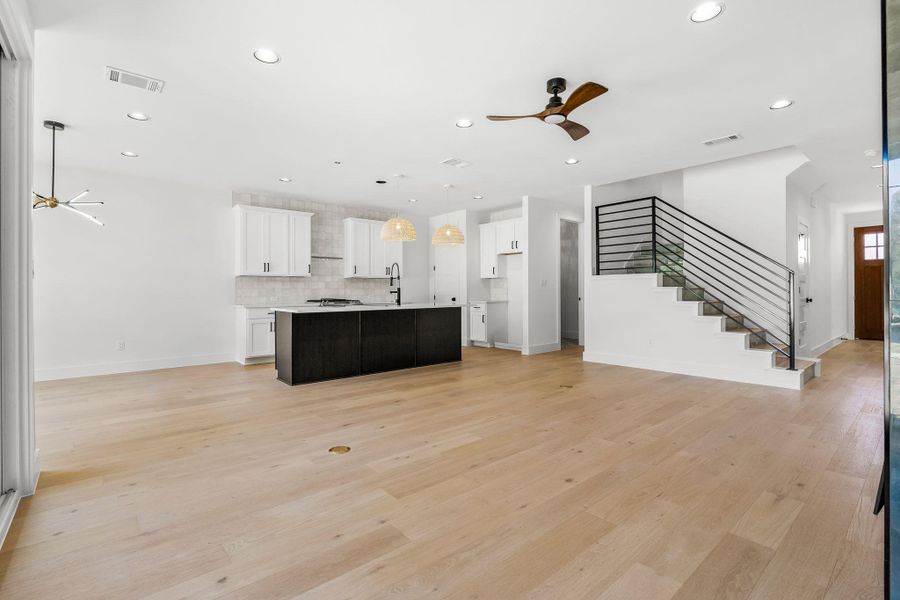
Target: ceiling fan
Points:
(51, 201)
(557, 111)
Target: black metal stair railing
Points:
(753, 292)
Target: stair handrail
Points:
(657, 206)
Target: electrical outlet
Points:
(120, 345)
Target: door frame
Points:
(800, 300)
(854, 221)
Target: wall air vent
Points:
(724, 140)
(455, 162)
(133, 79)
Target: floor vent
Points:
(133, 79)
(724, 140)
(455, 162)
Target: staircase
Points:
(740, 291)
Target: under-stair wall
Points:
(637, 322)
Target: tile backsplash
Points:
(327, 279)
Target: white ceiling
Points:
(379, 85)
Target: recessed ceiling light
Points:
(128, 154)
(464, 123)
(707, 12)
(138, 116)
(413, 200)
(779, 104)
(285, 179)
(478, 197)
(572, 161)
(266, 55)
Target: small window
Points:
(873, 246)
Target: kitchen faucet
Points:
(397, 291)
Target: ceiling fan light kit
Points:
(41, 202)
(557, 112)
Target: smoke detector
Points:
(151, 84)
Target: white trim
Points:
(505, 346)
(541, 348)
(821, 349)
(792, 380)
(8, 505)
(53, 373)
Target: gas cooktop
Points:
(334, 302)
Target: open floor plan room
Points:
(393, 299)
(499, 477)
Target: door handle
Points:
(808, 300)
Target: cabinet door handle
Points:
(493, 270)
(309, 268)
(482, 318)
(354, 269)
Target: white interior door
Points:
(802, 298)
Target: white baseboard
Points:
(257, 360)
(8, 505)
(51, 373)
(541, 348)
(823, 348)
(505, 346)
(773, 377)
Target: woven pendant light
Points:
(448, 235)
(398, 229)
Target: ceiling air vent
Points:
(133, 79)
(455, 162)
(724, 140)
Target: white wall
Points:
(745, 197)
(158, 277)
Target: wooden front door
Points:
(869, 282)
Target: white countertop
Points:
(315, 308)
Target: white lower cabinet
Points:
(255, 335)
(487, 323)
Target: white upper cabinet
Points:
(357, 235)
(301, 246)
(509, 236)
(489, 263)
(272, 242)
(365, 253)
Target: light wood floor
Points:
(501, 477)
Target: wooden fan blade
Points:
(575, 130)
(584, 93)
(503, 118)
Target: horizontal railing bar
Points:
(619, 268)
(647, 199)
(625, 260)
(621, 235)
(632, 244)
(627, 210)
(732, 259)
(648, 217)
(625, 227)
(776, 292)
(742, 244)
(706, 285)
(714, 278)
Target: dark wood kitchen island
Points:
(322, 343)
